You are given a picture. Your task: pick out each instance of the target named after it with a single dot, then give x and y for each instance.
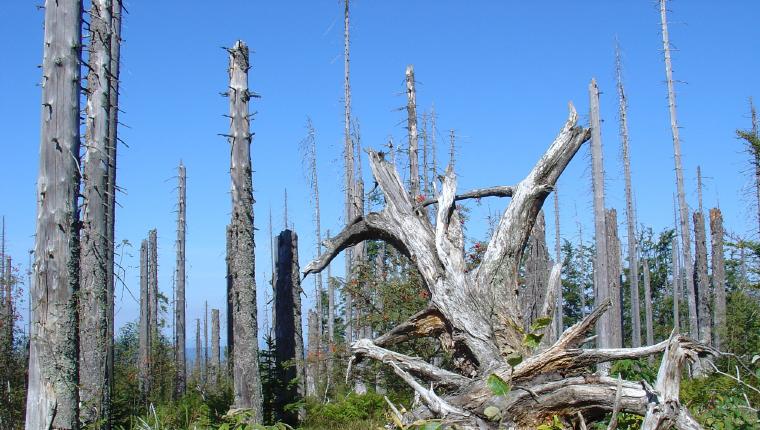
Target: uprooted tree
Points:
(477, 317)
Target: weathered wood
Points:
(676, 285)
(179, 279)
(313, 355)
(52, 394)
(613, 277)
(215, 358)
(558, 325)
(144, 340)
(536, 273)
(229, 258)
(606, 325)
(330, 318)
(682, 206)
(411, 128)
(348, 161)
(289, 348)
(197, 365)
(718, 277)
(630, 215)
(246, 380)
(648, 303)
(702, 280)
(93, 295)
(152, 287)
(204, 373)
(498, 191)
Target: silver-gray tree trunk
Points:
(229, 256)
(630, 216)
(312, 357)
(676, 287)
(648, 303)
(718, 277)
(144, 330)
(348, 160)
(536, 269)
(613, 273)
(411, 124)
(601, 278)
(179, 279)
(330, 319)
(152, 289)
(683, 209)
(702, 280)
(198, 353)
(289, 350)
(246, 380)
(215, 357)
(93, 295)
(52, 394)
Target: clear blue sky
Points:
(499, 73)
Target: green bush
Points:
(351, 409)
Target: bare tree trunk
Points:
(312, 357)
(93, 296)
(718, 276)
(330, 319)
(246, 380)
(536, 268)
(604, 328)
(433, 137)
(230, 303)
(143, 364)
(411, 111)
(205, 343)
(676, 287)
(613, 273)
(682, 207)
(113, 120)
(633, 265)
(198, 353)
(179, 277)
(152, 288)
(348, 159)
(701, 280)
(648, 303)
(558, 318)
(289, 351)
(52, 395)
(214, 368)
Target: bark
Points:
(313, 356)
(605, 331)
(289, 351)
(246, 380)
(648, 303)
(214, 365)
(676, 287)
(204, 373)
(536, 278)
(701, 280)
(52, 394)
(348, 160)
(558, 319)
(682, 207)
(179, 278)
(230, 303)
(630, 215)
(198, 353)
(411, 125)
(93, 296)
(152, 288)
(718, 277)
(614, 276)
(144, 326)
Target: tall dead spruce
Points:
(477, 316)
(179, 278)
(52, 396)
(245, 350)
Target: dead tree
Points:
(348, 160)
(648, 303)
(204, 373)
(246, 381)
(93, 295)
(152, 287)
(330, 319)
(613, 277)
(411, 125)
(536, 269)
(52, 394)
(630, 216)
(718, 277)
(198, 353)
(558, 325)
(701, 280)
(601, 277)
(179, 279)
(215, 358)
(683, 209)
(676, 285)
(478, 318)
(312, 356)
(229, 256)
(144, 330)
(289, 352)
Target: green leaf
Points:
(498, 386)
(431, 426)
(514, 359)
(492, 413)
(540, 323)
(532, 340)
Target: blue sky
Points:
(499, 73)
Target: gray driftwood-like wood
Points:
(613, 277)
(683, 209)
(718, 277)
(198, 353)
(702, 280)
(215, 357)
(476, 314)
(52, 395)
(289, 351)
(230, 302)
(648, 303)
(348, 161)
(411, 126)
(601, 276)
(630, 215)
(558, 324)
(312, 356)
(536, 269)
(676, 285)
(144, 340)
(330, 319)
(179, 279)
(93, 294)
(246, 380)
